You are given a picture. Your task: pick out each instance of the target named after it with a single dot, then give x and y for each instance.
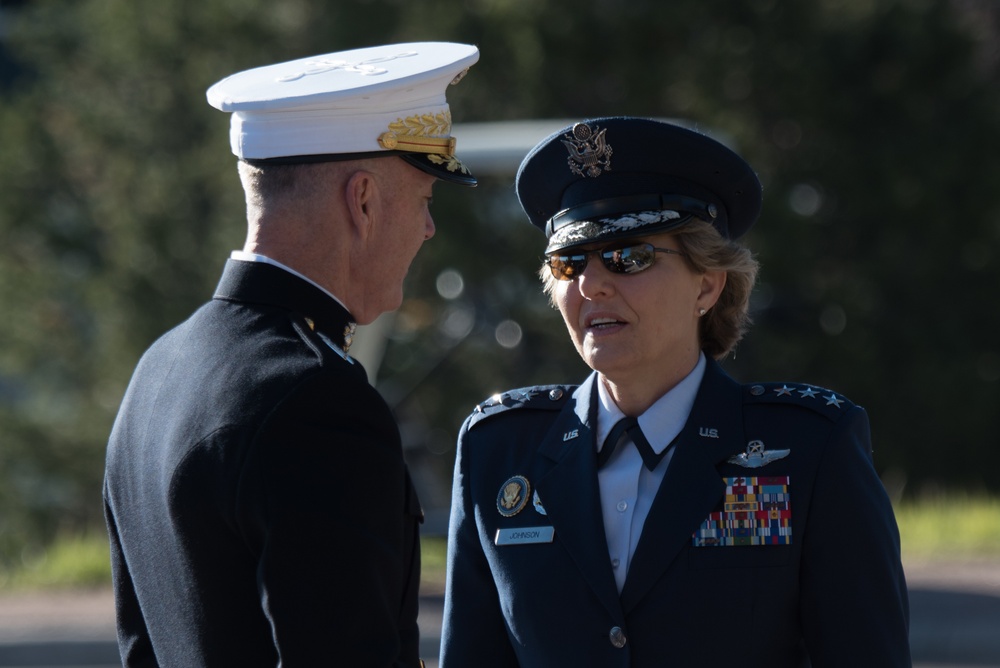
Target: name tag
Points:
(524, 535)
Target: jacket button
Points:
(617, 637)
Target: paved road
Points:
(955, 622)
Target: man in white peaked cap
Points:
(258, 505)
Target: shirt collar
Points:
(663, 420)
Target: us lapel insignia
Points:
(513, 496)
(538, 504)
(756, 456)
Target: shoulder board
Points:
(539, 397)
(819, 399)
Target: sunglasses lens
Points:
(567, 267)
(624, 260)
(630, 259)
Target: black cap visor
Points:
(444, 167)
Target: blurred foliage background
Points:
(873, 125)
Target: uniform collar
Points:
(257, 257)
(272, 284)
(662, 421)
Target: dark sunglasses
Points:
(618, 259)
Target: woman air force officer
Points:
(661, 513)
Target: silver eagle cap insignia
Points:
(757, 456)
(589, 151)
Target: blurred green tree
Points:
(873, 125)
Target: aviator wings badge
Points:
(756, 456)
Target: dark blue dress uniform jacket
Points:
(256, 497)
(837, 592)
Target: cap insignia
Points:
(423, 133)
(589, 152)
(365, 67)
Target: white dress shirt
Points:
(627, 487)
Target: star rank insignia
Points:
(522, 396)
(819, 399)
(494, 400)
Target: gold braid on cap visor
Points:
(425, 133)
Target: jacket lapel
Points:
(692, 485)
(569, 491)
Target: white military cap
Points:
(382, 100)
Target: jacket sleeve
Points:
(473, 632)
(134, 642)
(854, 604)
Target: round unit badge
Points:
(513, 496)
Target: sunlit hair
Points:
(707, 250)
(274, 183)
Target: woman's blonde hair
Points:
(707, 250)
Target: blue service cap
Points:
(609, 178)
(375, 101)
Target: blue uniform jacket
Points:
(835, 592)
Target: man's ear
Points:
(361, 196)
